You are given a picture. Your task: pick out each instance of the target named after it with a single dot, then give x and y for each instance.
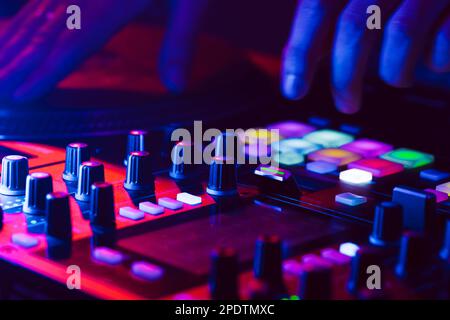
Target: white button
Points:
(24, 240)
(355, 176)
(151, 208)
(147, 271)
(107, 255)
(350, 199)
(170, 203)
(189, 198)
(131, 213)
(348, 249)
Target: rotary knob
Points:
(388, 224)
(315, 282)
(14, 175)
(89, 172)
(268, 262)
(139, 172)
(59, 223)
(38, 185)
(222, 177)
(76, 154)
(223, 278)
(415, 254)
(102, 206)
(182, 167)
(135, 142)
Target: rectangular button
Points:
(368, 148)
(434, 175)
(328, 138)
(189, 199)
(337, 156)
(147, 271)
(170, 203)
(321, 167)
(151, 208)
(445, 187)
(131, 213)
(107, 255)
(378, 167)
(350, 199)
(409, 158)
(24, 240)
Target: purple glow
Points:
(292, 129)
(368, 148)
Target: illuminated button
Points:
(328, 138)
(272, 173)
(170, 203)
(355, 176)
(131, 213)
(409, 158)
(189, 199)
(368, 148)
(337, 156)
(107, 255)
(434, 175)
(445, 187)
(259, 136)
(348, 249)
(378, 167)
(151, 208)
(299, 145)
(321, 167)
(24, 240)
(147, 271)
(292, 129)
(440, 196)
(289, 158)
(335, 256)
(292, 267)
(350, 199)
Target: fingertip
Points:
(440, 55)
(293, 87)
(347, 103)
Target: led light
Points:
(434, 175)
(292, 129)
(350, 199)
(299, 145)
(272, 173)
(321, 167)
(355, 176)
(368, 148)
(445, 187)
(289, 157)
(189, 199)
(440, 196)
(328, 138)
(378, 167)
(259, 136)
(409, 158)
(348, 249)
(337, 156)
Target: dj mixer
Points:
(343, 216)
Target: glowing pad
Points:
(350, 199)
(445, 187)
(378, 167)
(328, 138)
(348, 249)
(434, 175)
(440, 196)
(292, 129)
(409, 158)
(321, 167)
(272, 173)
(337, 156)
(259, 136)
(289, 158)
(299, 145)
(355, 176)
(368, 148)
(189, 198)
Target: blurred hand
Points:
(410, 29)
(37, 50)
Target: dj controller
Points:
(343, 216)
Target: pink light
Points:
(368, 148)
(440, 196)
(378, 167)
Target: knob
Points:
(1, 218)
(182, 166)
(415, 254)
(76, 154)
(38, 185)
(267, 262)
(227, 146)
(315, 282)
(223, 278)
(388, 224)
(445, 251)
(102, 206)
(135, 142)
(59, 223)
(222, 177)
(89, 172)
(14, 175)
(139, 172)
(364, 257)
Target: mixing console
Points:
(342, 217)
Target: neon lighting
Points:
(445, 188)
(348, 249)
(434, 175)
(337, 156)
(350, 199)
(355, 176)
(292, 129)
(440, 196)
(409, 158)
(378, 167)
(328, 138)
(258, 136)
(289, 158)
(272, 170)
(272, 173)
(321, 167)
(368, 148)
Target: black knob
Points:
(315, 282)
(139, 172)
(102, 205)
(182, 161)
(59, 222)
(415, 254)
(223, 278)
(227, 146)
(445, 251)
(364, 257)
(38, 185)
(222, 177)
(387, 225)
(267, 264)
(89, 172)
(14, 175)
(1, 218)
(76, 154)
(135, 142)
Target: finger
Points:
(351, 51)
(308, 42)
(179, 43)
(440, 53)
(404, 39)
